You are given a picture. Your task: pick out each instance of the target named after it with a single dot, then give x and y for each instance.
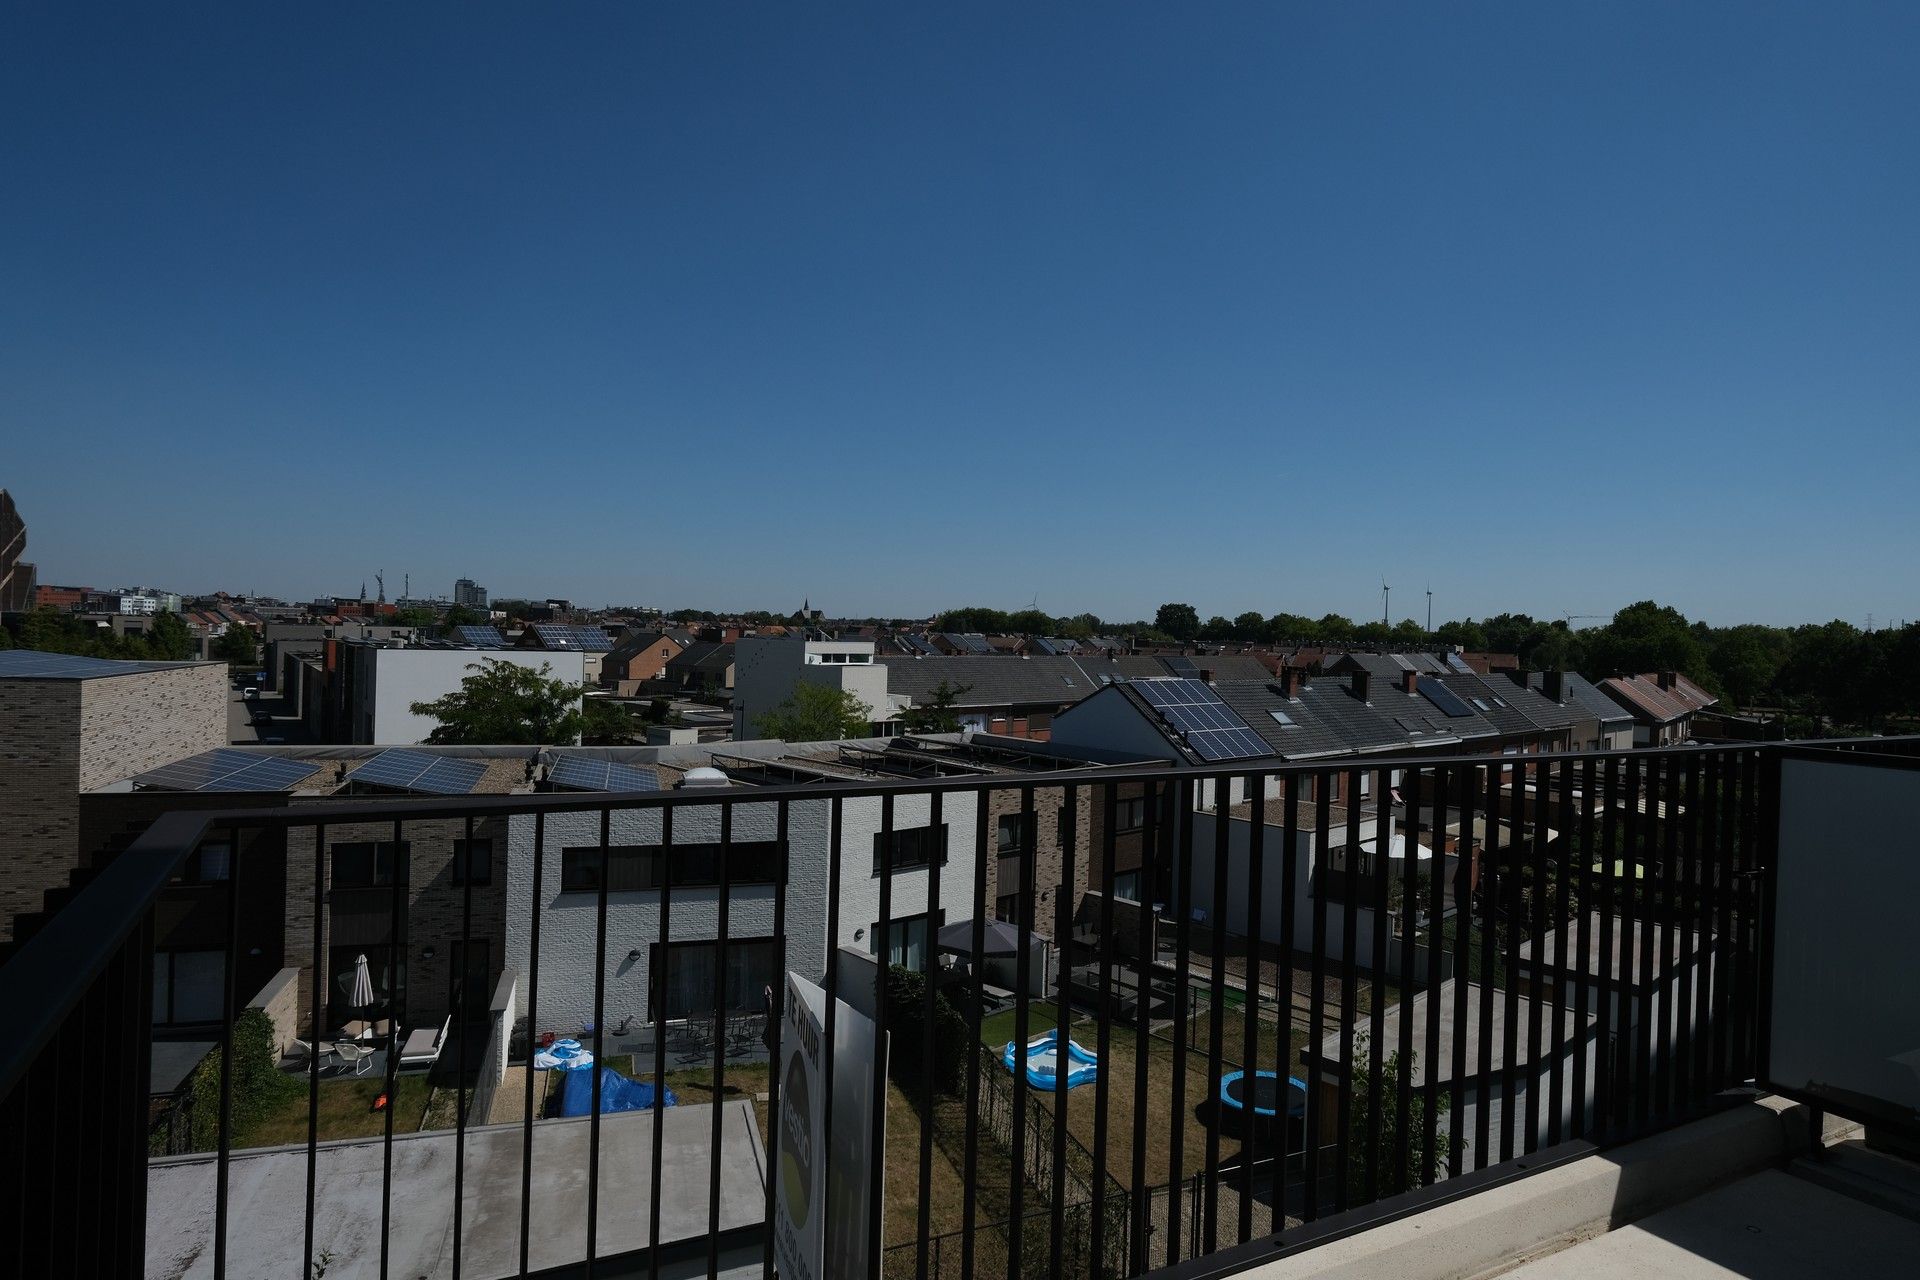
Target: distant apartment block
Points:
(357, 691)
(16, 576)
(469, 594)
(767, 669)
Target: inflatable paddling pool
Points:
(1043, 1062)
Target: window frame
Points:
(893, 858)
(635, 868)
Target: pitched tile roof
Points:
(993, 681)
(1584, 693)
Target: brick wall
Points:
(132, 723)
(39, 791)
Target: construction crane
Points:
(1583, 617)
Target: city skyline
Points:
(899, 311)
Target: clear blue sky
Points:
(1554, 307)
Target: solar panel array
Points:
(555, 635)
(969, 642)
(1208, 725)
(1444, 698)
(481, 637)
(1182, 667)
(228, 770)
(31, 664)
(421, 771)
(1459, 664)
(580, 773)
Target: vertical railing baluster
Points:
(929, 1068)
(1612, 950)
(1584, 943)
(1182, 1000)
(229, 983)
(318, 1029)
(1685, 971)
(1217, 1002)
(1534, 910)
(1063, 956)
(718, 1135)
(829, 1031)
(1469, 879)
(883, 947)
(1564, 932)
(1409, 913)
(1727, 790)
(533, 1031)
(599, 1034)
(1664, 987)
(464, 969)
(1349, 992)
(398, 885)
(977, 997)
(1493, 883)
(1250, 1030)
(1436, 952)
(658, 985)
(1319, 877)
(1378, 865)
(775, 1032)
(1101, 1087)
(1156, 803)
(1290, 871)
(1637, 947)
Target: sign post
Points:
(823, 1189)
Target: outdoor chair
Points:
(423, 1045)
(302, 1052)
(352, 1055)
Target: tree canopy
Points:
(508, 704)
(816, 713)
(937, 714)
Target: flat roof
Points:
(267, 1196)
(32, 664)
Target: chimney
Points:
(1361, 680)
(1520, 676)
(1668, 679)
(1554, 685)
(1410, 682)
(1290, 682)
(1206, 676)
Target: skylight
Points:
(1283, 719)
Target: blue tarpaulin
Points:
(617, 1093)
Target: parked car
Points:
(249, 692)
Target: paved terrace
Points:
(267, 1198)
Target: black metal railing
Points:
(1591, 974)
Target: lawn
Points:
(345, 1111)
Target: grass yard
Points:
(346, 1111)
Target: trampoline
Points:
(1259, 1093)
(1043, 1062)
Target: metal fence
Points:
(1615, 895)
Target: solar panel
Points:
(481, 637)
(420, 771)
(581, 773)
(969, 642)
(1207, 724)
(1181, 667)
(228, 770)
(1459, 663)
(554, 635)
(1444, 698)
(31, 664)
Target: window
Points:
(368, 864)
(1282, 719)
(1127, 885)
(473, 862)
(1012, 840)
(1131, 815)
(638, 868)
(1482, 704)
(684, 977)
(913, 847)
(188, 986)
(907, 942)
(1007, 908)
(211, 863)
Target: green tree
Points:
(1181, 621)
(606, 723)
(1250, 626)
(907, 1019)
(169, 640)
(1468, 635)
(816, 713)
(1646, 636)
(1030, 622)
(417, 616)
(1081, 626)
(461, 616)
(236, 645)
(1746, 659)
(937, 715)
(505, 703)
(1393, 1122)
(1292, 628)
(1216, 629)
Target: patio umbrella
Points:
(361, 997)
(998, 938)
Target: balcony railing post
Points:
(534, 912)
(775, 1033)
(1063, 1023)
(716, 1142)
(317, 1033)
(881, 940)
(1256, 784)
(229, 984)
(977, 1001)
(658, 966)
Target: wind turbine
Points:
(1429, 608)
(1386, 598)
